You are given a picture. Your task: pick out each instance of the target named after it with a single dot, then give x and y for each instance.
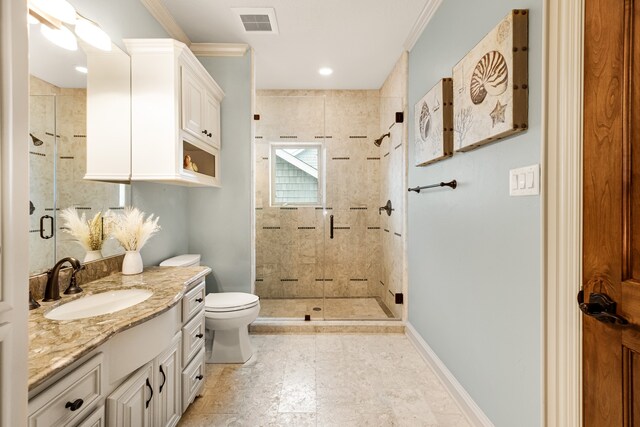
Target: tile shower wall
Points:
(393, 98)
(294, 255)
(67, 117)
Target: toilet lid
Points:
(229, 301)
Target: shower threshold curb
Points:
(271, 326)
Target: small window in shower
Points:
(296, 174)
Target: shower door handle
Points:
(42, 218)
(331, 227)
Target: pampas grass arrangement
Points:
(132, 230)
(87, 233)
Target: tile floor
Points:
(325, 380)
(331, 308)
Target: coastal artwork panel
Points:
(490, 86)
(434, 124)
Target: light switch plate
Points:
(524, 181)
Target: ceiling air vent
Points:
(258, 20)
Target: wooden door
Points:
(611, 221)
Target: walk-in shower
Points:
(323, 251)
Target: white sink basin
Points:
(98, 304)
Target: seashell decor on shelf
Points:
(490, 85)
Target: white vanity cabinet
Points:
(193, 331)
(175, 115)
(70, 399)
(132, 403)
(151, 396)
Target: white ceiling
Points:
(360, 39)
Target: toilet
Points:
(227, 317)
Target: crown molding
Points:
(219, 49)
(164, 18)
(421, 23)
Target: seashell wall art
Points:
(490, 86)
(434, 124)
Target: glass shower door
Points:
(291, 222)
(42, 159)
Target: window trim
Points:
(273, 146)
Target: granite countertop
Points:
(55, 344)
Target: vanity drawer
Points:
(97, 419)
(192, 380)
(193, 302)
(192, 338)
(80, 389)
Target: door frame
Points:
(14, 218)
(562, 212)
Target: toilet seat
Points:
(225, 302)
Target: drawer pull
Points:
(75, 405)
(199, 300)
(199, 335)
(199, 377)
(151, 395)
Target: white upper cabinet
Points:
(175, 115)
(108, 116)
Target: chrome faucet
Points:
(52, 291)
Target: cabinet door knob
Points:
(204, 131)
(75, 405)
(199, 377)
(199, 335)
(199, 300)
(209, 134)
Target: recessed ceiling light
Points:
(82, 69)
(325, 71)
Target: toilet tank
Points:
(182, 261)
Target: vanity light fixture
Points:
(82, 69)
(91, 33)
(60, 37)
(60, 10)
(325, 71)
(57, 15)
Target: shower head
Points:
(36, 141)
(378, 141)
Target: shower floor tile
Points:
(325, 380)
(331, 308)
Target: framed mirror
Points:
(57, 156)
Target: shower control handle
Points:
(331, 227)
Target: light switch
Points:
(524, 181)
(529, 179)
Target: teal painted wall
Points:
(220, 218)
(474, 253)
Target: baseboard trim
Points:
(467, 405)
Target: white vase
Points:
(93, 255)
(132, 263)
